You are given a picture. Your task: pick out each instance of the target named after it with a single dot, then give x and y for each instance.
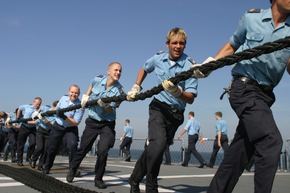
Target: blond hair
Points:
(176, 31)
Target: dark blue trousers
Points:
(256, 135)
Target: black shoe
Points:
(100, 184)
(167, 163)
(45, 171)
(20, 163)
(210, 165)
(70, 176)
(5, 158)
(128, 159)
(134, 186)
(32, 163)
(184, 165)
(202, 165)
(78, 174)
(13, 160)
(39, 167)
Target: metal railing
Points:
(177, 150)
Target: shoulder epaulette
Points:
(254, 11)
(65, 95)
(100, 76)
(48, 106)
(160, 52)
(121, 91)
(191, 61)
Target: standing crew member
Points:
(27, 129)
(127, 140)
(221, 139)
(252, 96)
(167, 108)
(65, 128)
(42, 134)
(12, 135)
(101, 121)
(192, 128)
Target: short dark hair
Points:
(271, 1)
(127, 120)
(191, 113)
(220, 114)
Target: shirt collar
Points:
(268, 16)
(180, 61)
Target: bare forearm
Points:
(187, 97)
(288, 66)
(141, 76)
(219, 136)
(89, 91)
(182, 133)
(226, 50)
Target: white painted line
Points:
(11, 184)
(5, 178)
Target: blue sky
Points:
(46, 46)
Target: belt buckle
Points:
(173, 110)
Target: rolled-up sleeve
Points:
(79, 115)
(239, 36)
(149, 65)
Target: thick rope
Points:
(208, 67)
(39, 181)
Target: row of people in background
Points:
(193, 130)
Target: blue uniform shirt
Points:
(27, 111)
(77, 115)
(99, 91)
(222, 126)
(160, 64)
(192, 126)
(129, 131)
(255, 29)
(50, 119)
(12, 118)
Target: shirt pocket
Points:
(160, 73)
(254, 39)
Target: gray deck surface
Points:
(172, 178)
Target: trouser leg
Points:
(107, 138)
(31, 143)
(215, 151)
(72, 143)
(140, 168)
(87, 140)
(195, 152)
(39, 146)
(187, 154)
(232, 166)
(22, 137)
(54, 141)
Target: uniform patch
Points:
(191, 61)
(100, 76)
(160, 52)
(121, 91)
(254, 11)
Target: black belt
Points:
(166, 106)
(101, 122)
(247, 80)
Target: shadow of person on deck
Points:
(186, 188)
